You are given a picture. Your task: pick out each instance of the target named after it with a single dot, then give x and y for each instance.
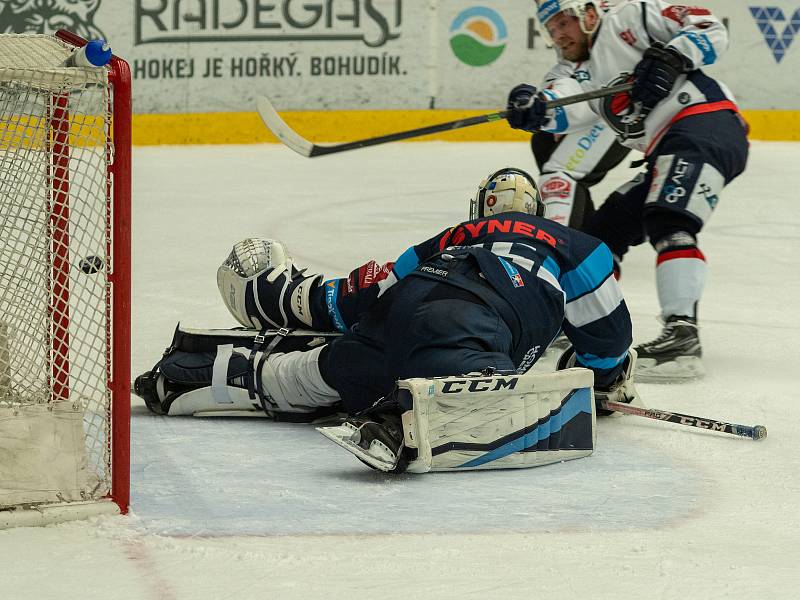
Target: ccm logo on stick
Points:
(478, 385)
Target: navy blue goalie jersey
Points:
(540, 267)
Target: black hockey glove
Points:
(528, 109)
(655, 75)
(621, 389)
(617, 387)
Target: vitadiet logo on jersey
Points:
(778, 33)
(478, 36)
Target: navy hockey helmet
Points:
(506, 190)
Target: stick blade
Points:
(281, 130)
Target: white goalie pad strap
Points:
(499, 422)
(219, 375)
(201, 402)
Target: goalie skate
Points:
(364, 441)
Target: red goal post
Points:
(65, 282)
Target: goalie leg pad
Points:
(482, 422)
(188, 383)
(499, 422)
(207, 340)
(209, 371)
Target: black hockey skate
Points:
(157, 391)
(376, 440)
(675, 355)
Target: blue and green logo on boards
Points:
(478, 36)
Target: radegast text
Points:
(373, 22)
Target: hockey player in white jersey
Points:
(571, 163)
(687, 125)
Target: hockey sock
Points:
(680, 274)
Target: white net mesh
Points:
(55, 229)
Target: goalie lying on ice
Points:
(486, 296)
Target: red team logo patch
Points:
(628, 37)
(556, 188)
(620, 104)
(679, 13)
(618, 112)
(370, 274)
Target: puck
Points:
(91, 265)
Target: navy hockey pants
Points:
(419, 328)
(698, 153)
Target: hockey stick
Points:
(302, 146)
(756, 432)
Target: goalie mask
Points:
(506, 190)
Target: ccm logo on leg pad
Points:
(478, 385)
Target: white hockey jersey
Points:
(624, 33)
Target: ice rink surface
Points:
(245, 508)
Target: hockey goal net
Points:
(64, 282)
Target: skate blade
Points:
(341, 435)
(682, 369)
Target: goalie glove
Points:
(262, 288)
(622, 389)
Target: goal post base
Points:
(51, 514)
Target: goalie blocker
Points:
(475, 422)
